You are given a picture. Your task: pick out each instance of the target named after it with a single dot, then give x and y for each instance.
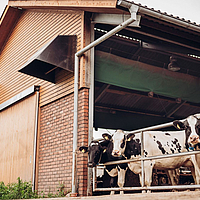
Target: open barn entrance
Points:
(145, 76)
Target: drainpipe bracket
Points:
(133, 9)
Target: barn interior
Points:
(146, 75)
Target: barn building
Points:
(141, 73)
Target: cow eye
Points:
(197, 128)
(187, 127)
(122, 145)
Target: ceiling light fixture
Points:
(173, 65)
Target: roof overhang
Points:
(8, 19)
(105, 6)
(145, 11)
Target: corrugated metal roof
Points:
(166, 14)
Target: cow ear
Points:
(197, 116)
(83, 149)
(106, 136)
(130, 136)
(178, 125)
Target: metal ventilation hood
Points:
(58, 53)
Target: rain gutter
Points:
(170, 19)
(133, 10)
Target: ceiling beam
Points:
(104, 108)
(101, 91)
(120, 92)
(174, 109)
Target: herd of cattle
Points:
(121, 146)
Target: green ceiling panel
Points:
(135, 75)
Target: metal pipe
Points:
(35, 136)
(91, 108)
(170, 187)
(76, 70)
(94, 178)
(142, 156)
(107, 35)
(151, 128)
(151, 158)
(75, 127)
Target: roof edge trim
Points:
(161, 16)
(167, 18)
(70, 3)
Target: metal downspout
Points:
(133, 10)
(37, 88)
(91, 109)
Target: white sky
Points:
(188, 9)
(3, 4)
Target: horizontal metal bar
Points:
(152, 158)
(170, 187)
(151, 128)
(19, 96)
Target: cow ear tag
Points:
(106, 137)
(178, 126)
(104, 150)
(129, 139)
(83, 150)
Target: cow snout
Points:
(116, 153)
(92, 164)
(194, 139)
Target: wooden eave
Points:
(7, 23)
(103, 6)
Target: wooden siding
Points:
(33, 30)
(17, 140)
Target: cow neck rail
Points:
(151, 158)
(143, 188)
(179, 187)
(151, 128)
(143, 159)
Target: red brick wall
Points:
(56, 144)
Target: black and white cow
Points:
(133, 149)
(100, 152)
(159, 143)
(191, 126)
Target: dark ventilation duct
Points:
(58, 53)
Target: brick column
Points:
(56, 144)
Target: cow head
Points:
(119, 143)
(95, 151)
(133, 146)
(192, 130)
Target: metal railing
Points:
(142, 159)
